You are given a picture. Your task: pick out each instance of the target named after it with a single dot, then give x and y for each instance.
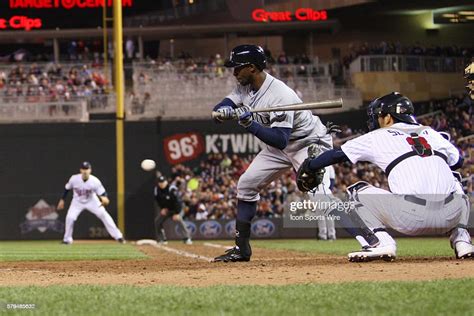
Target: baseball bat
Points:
(318, 105)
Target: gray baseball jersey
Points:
(306, 127)
(305, 130)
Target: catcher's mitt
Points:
(307, 180)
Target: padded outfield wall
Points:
(38, 159)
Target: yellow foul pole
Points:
(105, 44)
(120, 114)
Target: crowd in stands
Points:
(50, 82)
(185, 62)
(209, 190)
(168, 75)
(391, 48)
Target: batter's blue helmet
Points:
(247, 55)
(397, 105)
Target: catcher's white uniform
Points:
(424, 196)
(421, 198)
(86, 198)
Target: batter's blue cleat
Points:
(231, 255)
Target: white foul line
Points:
(21, 270)
(210, 244)
(183, 253)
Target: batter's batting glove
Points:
(241, 110)
(245, 119)
(333, 128)
(225, 113)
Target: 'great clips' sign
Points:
(19, 22)
(64, 4)
(301, 14)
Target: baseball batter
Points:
(424, 197)
(88, 194)
(286, 135)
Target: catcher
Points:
(424, 198)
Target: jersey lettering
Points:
(394, 133)
(419, 145)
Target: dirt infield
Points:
(275, 267)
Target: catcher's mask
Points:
(397, 105)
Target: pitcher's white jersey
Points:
(85, 191)
(413, 175)
(306, 128)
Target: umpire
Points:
(169, 205)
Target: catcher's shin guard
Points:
(354, 225)
(351, 220)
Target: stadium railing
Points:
(95, 103)
(413, 63)
(181, 92)
(17, 112)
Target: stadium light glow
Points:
(426, 21)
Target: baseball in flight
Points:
(148, 164)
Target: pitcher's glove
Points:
(306, 179)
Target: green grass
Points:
(447, 297)
(406, 247)
(54, 251)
